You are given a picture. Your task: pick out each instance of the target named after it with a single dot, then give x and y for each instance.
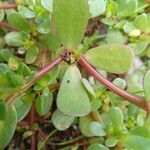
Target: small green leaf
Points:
(3, 110)
(121, 83)
(111, 142)
(44, 102)
(95, 104)
(88, 87)
(72, 98)
(116, 116)
(44, 23)
(18, 21)
(126, 7)
(8, 128)
(31, 55)
(23, 105)
(97, 7)
(47, 4)
(26, 12)
(5, 54)
(114, 58)
(138, 143)
(97, 129)
(141, 22)
(71, 21)
(15, 38)
(61, 121)
(84, 123)
(115, 37)
(97, 146)
(146, 84)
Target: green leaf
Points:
(2, 14)
(44, 102)
(88, 87)
(3, 110)
(84, 123)
(138, 143)
(71, 21)
(18, 21)
(114, 58)
(141, 22)
(15, 38)
(6, 54)
(116, 116)
(115, 37)
(97, 7)
(8, 128)
(97, 129)
(44, 23)
(121, 83)
(95, 104)
(47, 4)
(146, 84)
(26, 12)
(72, 98)
(142, 131)
(111, 142)
(97, 146)
(126, 7)
(31, 55)
(23, 105)
(61, 121)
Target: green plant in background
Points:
(57, 60)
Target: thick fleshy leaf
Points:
(97, 129)
(126, 8)
(15, 38)
(141, 22)
(97, 146)
(84, 123)
(146, 84)
(72, 98)
(121, 83)
(23, 105)
(44, 102)
(115, 37)
(8, 129)
(88, 87)
(61, 121)
(138, 143)
(97, 7)
(111, 142)
(47, 4)
(114, 58)
(116, 116)
(31, 55)
(18, 21)
(71, 18)
(26, 12)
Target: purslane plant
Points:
(23, 87)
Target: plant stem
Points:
(68, 142)
(8, 6)
(129, 97)
(40, 74)
(6, 25)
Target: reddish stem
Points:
(40, 74)
(8, 6)
(33, 143)
(6, 25)
(131, 98)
